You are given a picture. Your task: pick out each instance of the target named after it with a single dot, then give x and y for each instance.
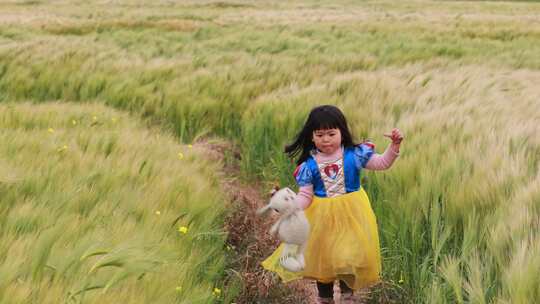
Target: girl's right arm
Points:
(304, 196)
(302, 175)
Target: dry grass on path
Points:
(249, 237)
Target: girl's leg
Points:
(344, 288)
(326, 292)
(347, 296)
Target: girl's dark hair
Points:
(320, 118)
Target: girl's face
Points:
(327, 140)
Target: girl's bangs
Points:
(325, 122)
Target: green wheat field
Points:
(106, 198)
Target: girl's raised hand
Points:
(395, 136)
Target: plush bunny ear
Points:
(263, 210)
(276, 189)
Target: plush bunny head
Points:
(282, 201)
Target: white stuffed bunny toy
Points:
(292, 228)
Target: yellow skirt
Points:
(343, 243)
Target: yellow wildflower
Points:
(183, 229)
(216, 292)
(158, 212)
(50, 130)
(190, 146)
(94, 118)
(180, 155)
(62, 149)
(178, 288)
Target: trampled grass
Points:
(458, 213)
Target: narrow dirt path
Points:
(248, 235)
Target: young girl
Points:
(344, 241)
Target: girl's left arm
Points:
(385, 161)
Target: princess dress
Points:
(344, 241)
